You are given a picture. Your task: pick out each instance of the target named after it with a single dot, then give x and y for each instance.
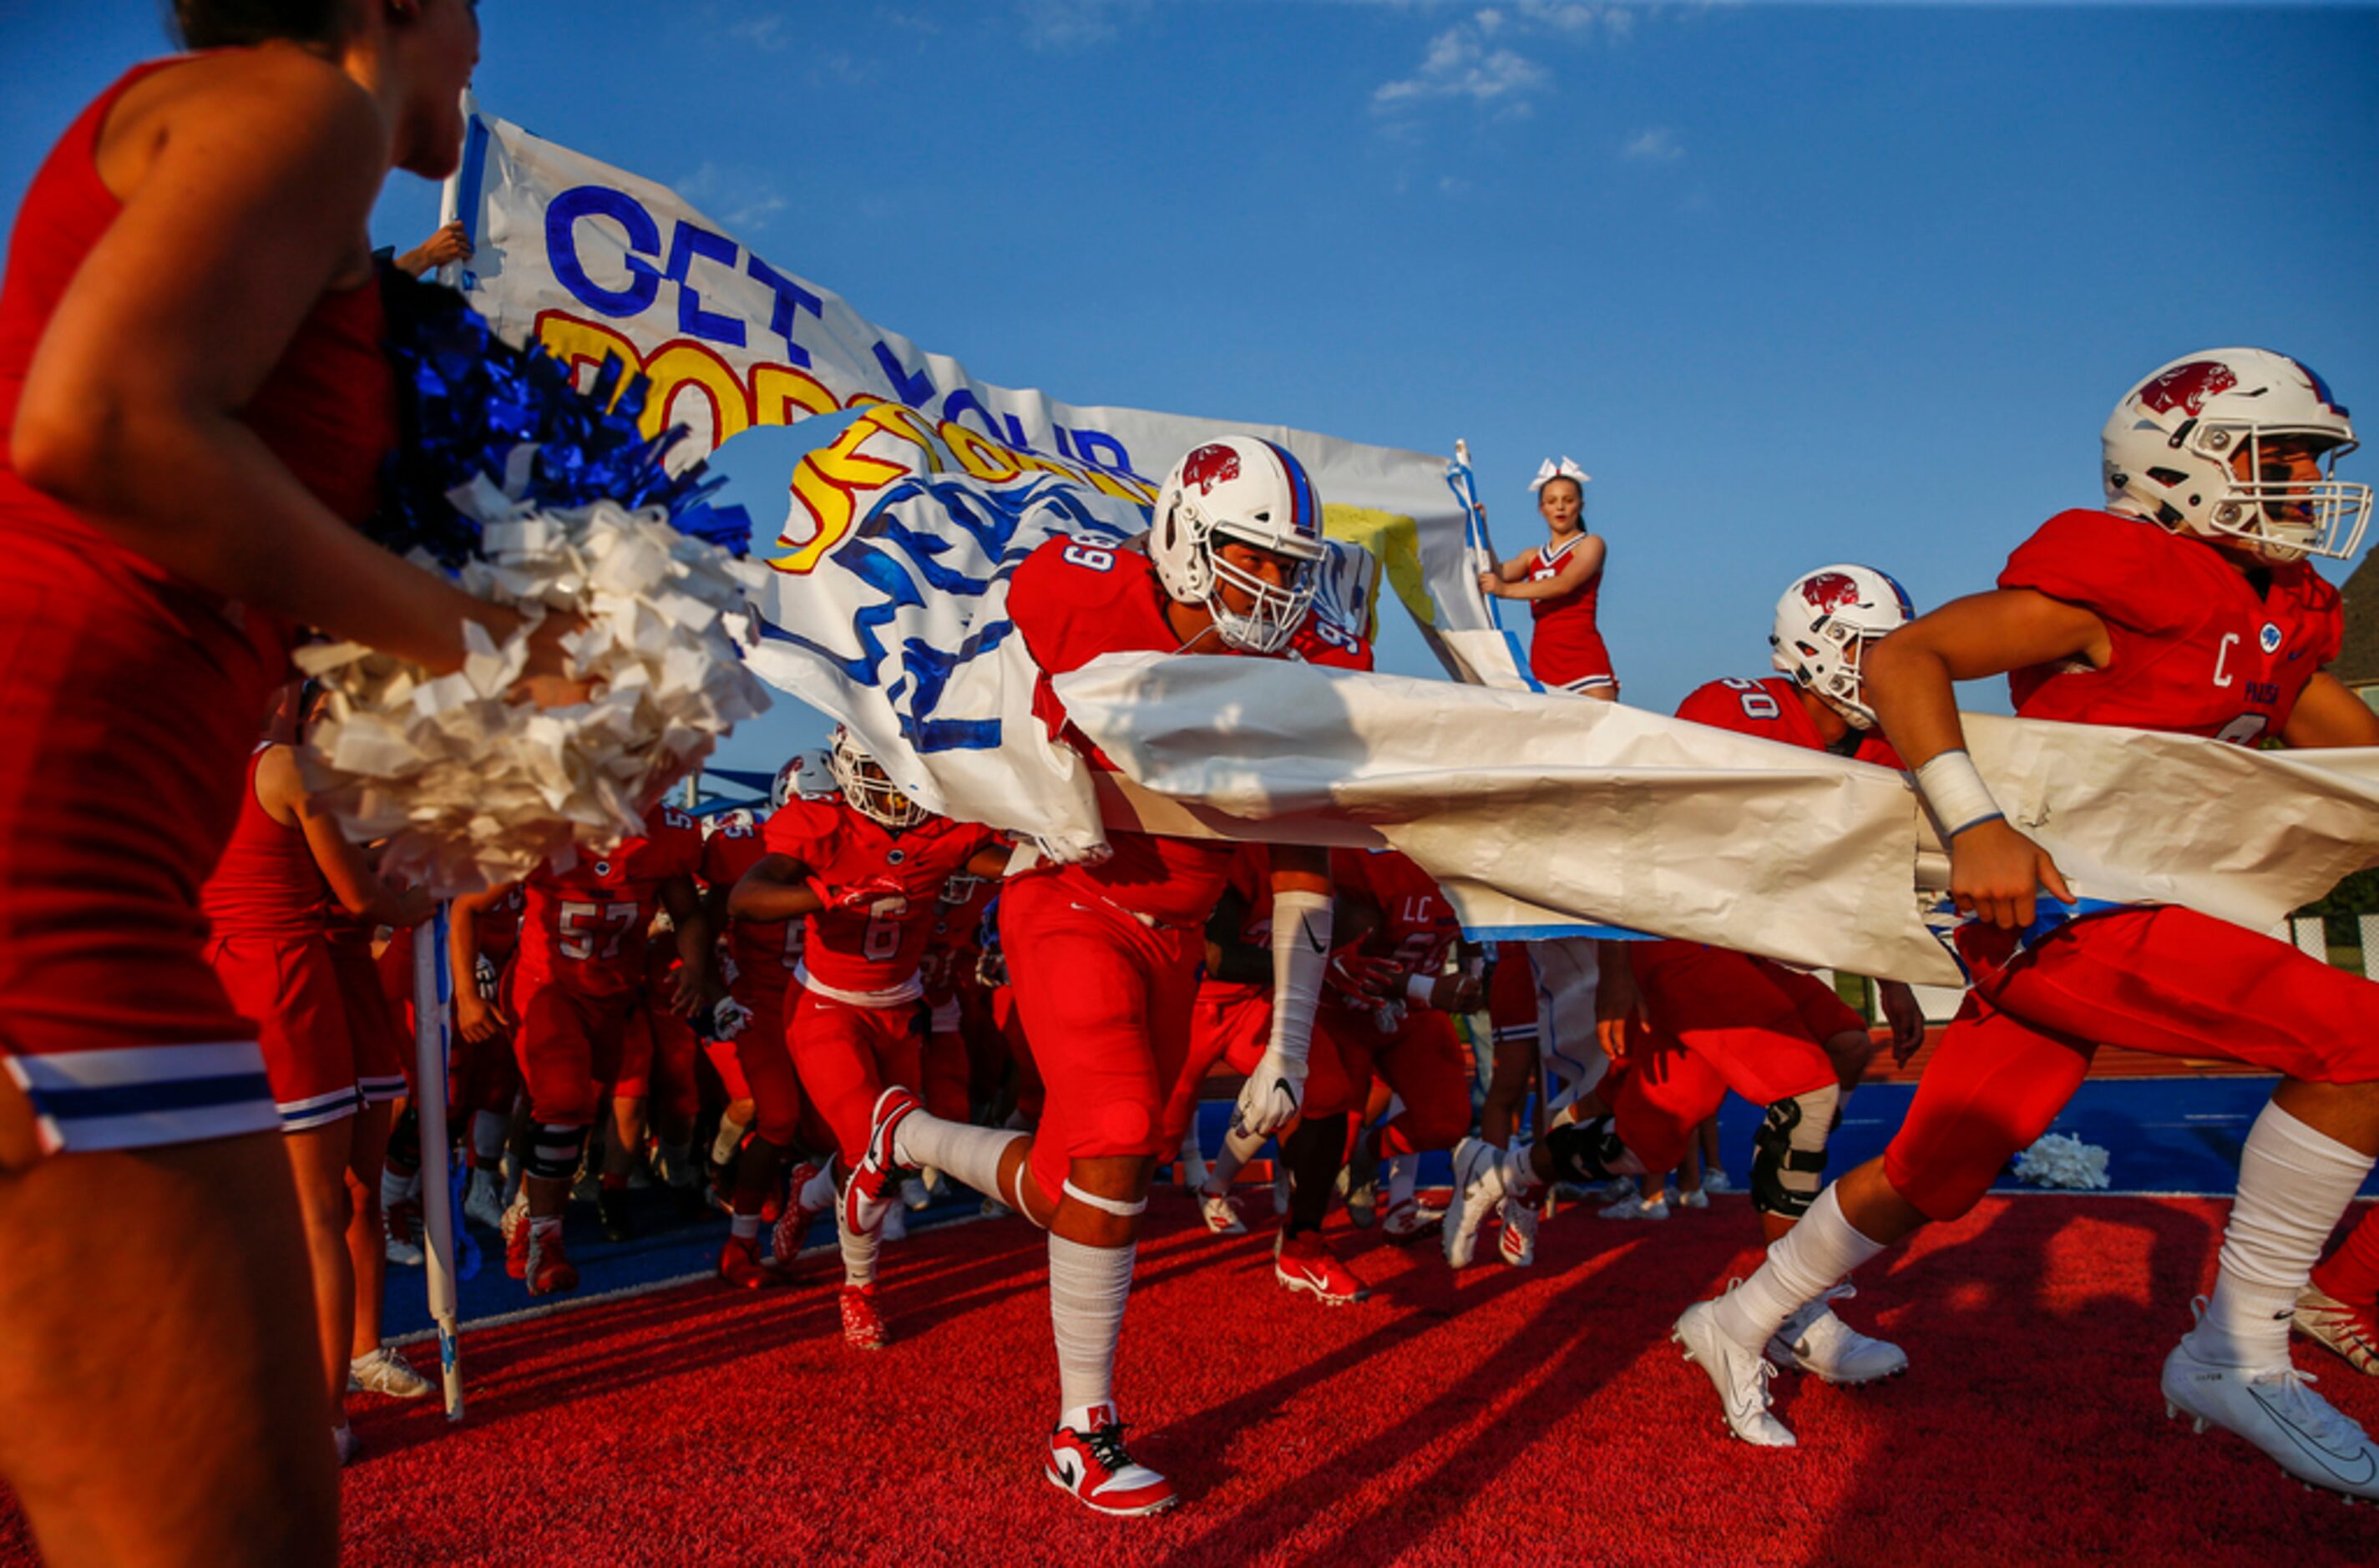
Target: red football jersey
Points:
(1770, 708)
(1417, 927)
(1072, 602)
(871, 952)
(2197, 649)
(764, 953)
(585, 928)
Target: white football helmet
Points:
(1249, 491)
(865, 785)
(1823, 624)
(2170, 443)
(809, 773)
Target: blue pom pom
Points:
(466, 399)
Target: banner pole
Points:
(429, 1106)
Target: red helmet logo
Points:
(2187, 387)
(1830, 591)
(1209, 466)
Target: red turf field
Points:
(1534, 1416)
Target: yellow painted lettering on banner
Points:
(683, 364)
(828, 481)
(582, 344)
(778, 389)
(983, 458)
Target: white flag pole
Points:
(437, 1148)
(450, 198)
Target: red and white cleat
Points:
(812, 1195)
(1408, 1220)
(873, 1187)
(1221, 1212)
(863, 1326)
(739, 1265)
(1090, 1462)
(1305, 1262)
(2352, 1330)
(537, 1258)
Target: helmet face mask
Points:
(1246, 492)
(866, 788)
(1824, 624)
(2176, 444)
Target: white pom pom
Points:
(2062, 1161)
(471, 790)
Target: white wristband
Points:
(1419, 988)
(1956, 793)
(1300, 953)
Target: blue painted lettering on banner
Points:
(915, 390)
(962, 402)
(1103, 451)
(690, 241)
(904, 563)
(562, 219)
(790, 297)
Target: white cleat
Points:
(1633, 1207)
(1517, 1242)
(483, 1200)
(1739, 1373)
(1716, 1182)
(1221, 1212)
(2276, 1409)
(1815, 1341)
(1697, 1199)
(1481, 1180)
(1405, 1220)
(384, 1371)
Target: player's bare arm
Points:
(992, 862)
(1906, 1018)
(479, 1017)
(1618, 1006)
(2330, 715)
(697, 988)
(777, 888)
(1994, 871)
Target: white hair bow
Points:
(1565, 469)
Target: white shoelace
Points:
(2296, 1403)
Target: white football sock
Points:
(1404, 1173)
(2293, 1184)
(1088, 1287)
(744, 1227)
(724, 1147)
(1803, 1264)
(969, 1153)
(858, 1251)
(1238, 1148)
(397, 1187)
(487, 1129)
(1193, 1156)
(818, 1193)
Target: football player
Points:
(863, 870)
(2187, 605)
(579, 975)
(1716, 1020)
(1104, 954)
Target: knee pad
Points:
(1589, 1152)
(1787, 1154)
(554, 1151)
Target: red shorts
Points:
(1720, 1021)
(1420, 1059)
(1823, 1012)
(848, 1057)
(290, 986)
(2167, 981)
(384, 1059)
(111, 1022)
(1106, 1000)
(569, 1043)
(1230, 1024)
(949, 1087)
(1032, 1094)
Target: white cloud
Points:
(765, 32)
(741, 199)
(1656, 145)
(1071, 24)
(1458, 63)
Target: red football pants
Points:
(847, 1057)
(1107, 1001)
(1719, 1022)
(568, 1042)
(1228, 1023)
(2168, 981)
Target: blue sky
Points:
(1796, 284)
